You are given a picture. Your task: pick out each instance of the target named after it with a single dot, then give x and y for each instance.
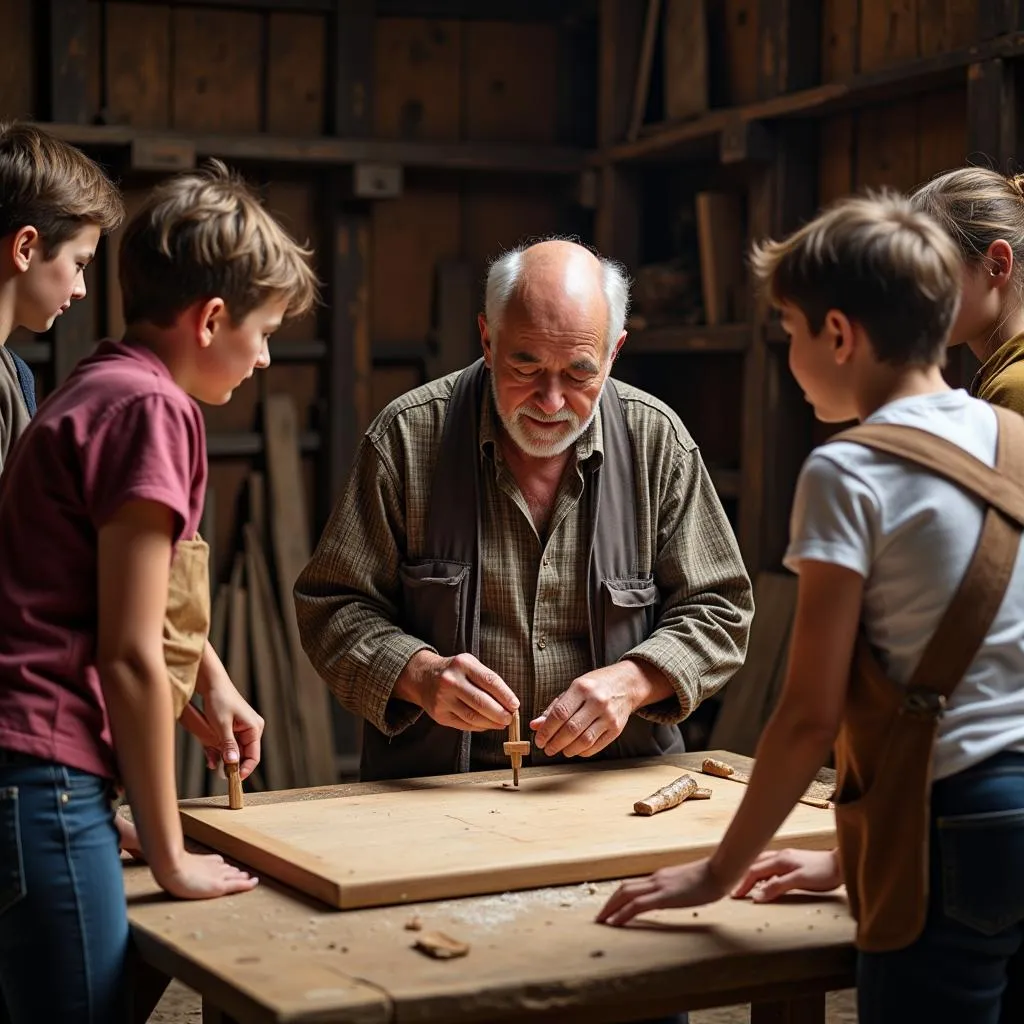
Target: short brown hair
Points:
(976, 206)
(204, 235)
(886, 266)
(52, 186)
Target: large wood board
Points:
(426, 841)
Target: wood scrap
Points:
(235, 799)
(817, 794)
(515, 748)
(414, 924)
(440, 946)
(672, 795)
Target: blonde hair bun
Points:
(1017, 184)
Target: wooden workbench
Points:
(272, 955)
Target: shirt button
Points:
(542, 642)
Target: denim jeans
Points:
(957, 970)
(63, 922)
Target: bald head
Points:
(559, 285)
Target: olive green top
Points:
(1001, 378)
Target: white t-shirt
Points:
(911, 535)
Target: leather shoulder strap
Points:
(969, 615)
(945, 459)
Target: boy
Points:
(54, 205)
(113, 471)
(895, 535)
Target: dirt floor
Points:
(180, 1005)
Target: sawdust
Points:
(496, 911)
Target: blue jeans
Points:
(957, 970)
(63, 922)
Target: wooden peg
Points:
(235, 799)
(515, 748)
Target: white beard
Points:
(542, 445)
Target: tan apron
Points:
(187, 623)
(885, 744)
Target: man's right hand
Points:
(458, 692)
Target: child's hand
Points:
(688, 885)
(778, 871)
(203, 877)
(127, 836)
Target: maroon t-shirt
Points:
(118, 429)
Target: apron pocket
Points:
(432, 599)
(12, 868)
(982, 877)
(629, 607)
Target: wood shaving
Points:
(440, 946)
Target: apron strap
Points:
(969, 616)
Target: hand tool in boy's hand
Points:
(515, 748)
(235, 799)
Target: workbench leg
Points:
(147, 987)
(211, 1015)
(801, 1010)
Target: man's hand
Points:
(778, 871)
(689, 885)
(594, 710)
(458, 692)
(227, 727)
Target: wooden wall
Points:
(174, 68)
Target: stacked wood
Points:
(255, 631)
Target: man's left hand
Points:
(594, 710)
(689, 885)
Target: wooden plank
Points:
(392, 381)
(942, 132)
(840, 40)
(642, 86)
(352, 852)
(137, 64)
(216, 81)
(67, 26)
(511, 81)
(962, 22)
(742, 51)
(296, 74)
(746, 699)
(455, 340)
(237, 662)
(284, 761)
(17, 59)
(836, 165)
(350, 58)
(290, 526)
(992, 114)
(417, 81)
(887, 146)
(620, 26)
(932, 27)
(494, 220)
(996, 17)
(685, 48)
(722, 246)
(348, 412)
(790, 45)
(888, 32)
(411, 235)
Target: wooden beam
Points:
(352, 47)
(642, 85)
(67, 49)
(620, 29)
(998, 17)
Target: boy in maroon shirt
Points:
(98, 506)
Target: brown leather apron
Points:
(187, 622)
(885, 744)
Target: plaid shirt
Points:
(534, 625)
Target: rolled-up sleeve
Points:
(347, 599)
(707, 603)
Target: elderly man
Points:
(527, 534)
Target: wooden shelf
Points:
(326, 152)
(703, 136)
(682, 339)
(40, 352)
